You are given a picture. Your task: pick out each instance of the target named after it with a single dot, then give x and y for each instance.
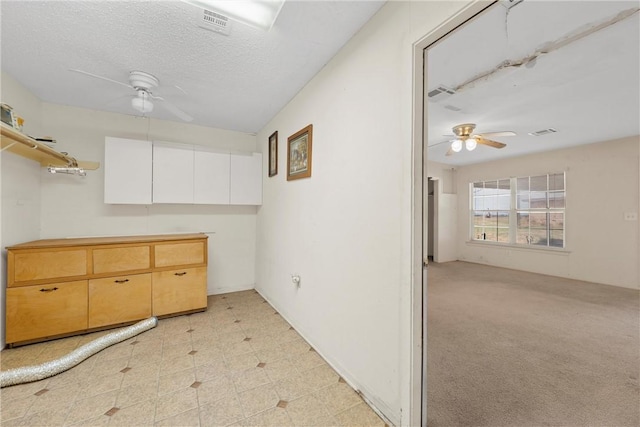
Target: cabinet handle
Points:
(121, 281)
(48, 289)
(180, 274)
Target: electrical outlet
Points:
(295, 278)
(631, 216)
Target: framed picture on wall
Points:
(273, 154)
(299, 154)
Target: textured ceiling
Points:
(236, 82)
(589, 90)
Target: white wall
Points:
(445, 211)
(446, 174)
(347, 229)
(20, 187)
(446, 233)
(602, 184)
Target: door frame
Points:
(418, 381)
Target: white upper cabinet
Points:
(142, 172)
(172, 173)
(211, 177)
(246, 179)
(128, 171)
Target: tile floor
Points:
(237, 364)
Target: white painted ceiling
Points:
(236, 82)
(588, 90)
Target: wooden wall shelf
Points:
(23, 145)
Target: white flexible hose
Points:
(28, 374)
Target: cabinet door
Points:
(116, 300)
(127, 171)
(46, 310)
(246, 179)
(172, 173)
(181, 290)
(211, 178)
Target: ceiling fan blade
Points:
(173, 109)
(497, 134)
(450, 152)
(100, 77)
(489, 142)
(180, 89)
(439, 143)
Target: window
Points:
(526, 210)
(491, 210)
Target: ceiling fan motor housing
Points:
(142, 80)
(464, 130)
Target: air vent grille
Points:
(439, 93)
(452, 108)
(543, 132)
(215, 21)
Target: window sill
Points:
(545, 249)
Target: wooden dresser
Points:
(62, 287)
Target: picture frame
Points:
(299, 151)
(273, 154)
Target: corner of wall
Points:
(20, 183)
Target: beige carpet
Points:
(509, 348)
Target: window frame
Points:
(515, 211)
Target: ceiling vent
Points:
(214, 21)
(452, 108)
(439, 93)
(543, 132)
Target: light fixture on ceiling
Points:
(142, 102)
(256, 13)
(69, 170)
(471, 143)
(465, 137)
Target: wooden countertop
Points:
(111, 240)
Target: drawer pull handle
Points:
(121, 281)
(48, 289)
(180, 274)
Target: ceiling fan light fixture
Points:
(471, 144)
(456, 145)
(142, 103)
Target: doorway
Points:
(432, 215)
(420, 218)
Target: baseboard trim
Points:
(229, 289)
(377, 405)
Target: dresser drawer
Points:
(115, 260)
(32, 266)
(179, 290)
(189, 253)
(46, 310)
(122, 299)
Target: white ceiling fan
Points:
(143, 101)
(465, 137)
